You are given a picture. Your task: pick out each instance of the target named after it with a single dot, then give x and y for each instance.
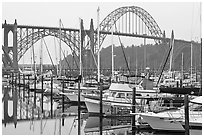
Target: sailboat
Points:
(72, 91)
(46, 83)
(179, 89)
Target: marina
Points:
(151, 88)
(23, 105)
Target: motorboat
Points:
(119, 96)
(174, 119)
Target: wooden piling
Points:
(7, 76)
(12, 78)
(15, 101)
(186, 114)
(24, 87)
(19, 95)
(42, 97)
(35, 92)
(51, 96)
(181, 83)
(79, 109)
(63, 101)
(19, 86)
(28, 97)
(101, 108)
(133, 111)
(177, 84)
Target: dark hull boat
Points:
(184, 90)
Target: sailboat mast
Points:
(145, 63)
(41, 56)
(31, 59)
(191, 62)
(182, 66)
(171, 45)
(136, 64)
(56, 56)
(60, 46)
(80, 44)
(112, 53)
(23, 64)
(98, 44)
(33, 52)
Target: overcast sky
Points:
(182, 17)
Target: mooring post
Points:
(35, 92)
(42, 97)
(177, 84)
(41, 113)
(19, 94)
(28, 96)
(7, 76)
(51, 96)
(62, 102)
(15, 102)
(186, 115)
(79, 108)
(19, 86)
(181, 83)
(133, 111)
(101, 108)
(23, 87)
(12, 78)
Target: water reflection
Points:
(111, 125)
(16, 108)
(9, 102)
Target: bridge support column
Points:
(91, 52)
(5, 48)
(15, 46)
(8, 62)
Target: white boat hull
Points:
(73, 97)
(109, 105)
(172, 120)
(162, 123)
(93, 106)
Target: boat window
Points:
(120, 95)
(113, 94)
(195, 107)
(129, 95)
(138, 95)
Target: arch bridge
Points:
(131, 21)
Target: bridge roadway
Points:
(102, 32)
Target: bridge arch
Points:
(70, 39)
(29, 35)
(146, 18)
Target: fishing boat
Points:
(174, 119)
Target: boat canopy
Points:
(120, 87)
(197, 100)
